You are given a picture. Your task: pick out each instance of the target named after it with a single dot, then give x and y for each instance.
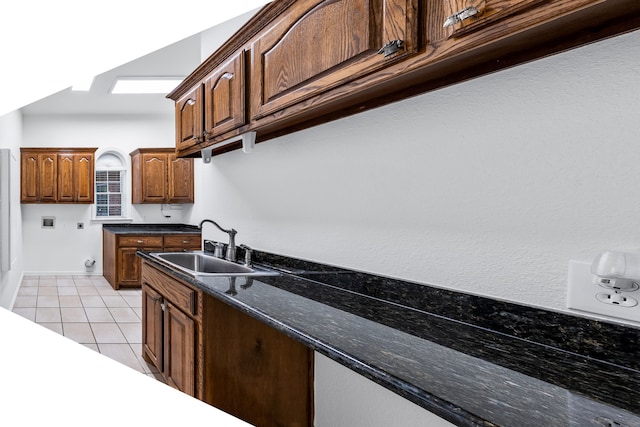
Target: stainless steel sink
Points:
(199, 263)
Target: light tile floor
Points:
(86, 309)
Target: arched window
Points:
(111, 171)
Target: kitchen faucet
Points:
(231, 249)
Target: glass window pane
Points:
(109, 193)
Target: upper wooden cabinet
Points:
(75, 177)
(158, 176)
(57, 175)
(300, 63)
(189, 118)
(224, 97)
(316, 46)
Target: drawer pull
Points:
(461, 16)
(140, 241)
(391, 48)
(186, 241)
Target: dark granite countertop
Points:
(471, 360)
(142, 229)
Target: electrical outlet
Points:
(585, 295)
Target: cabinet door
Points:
(189, 125)
(179, 349)
(257, 373)
(129, 270)
(154, 177)
(47, 177)
(83, 178)
(224, 97)
(66, 187)
(29, 178)
(180, 180)
(465, 16)
(152, 326)
(318, 45)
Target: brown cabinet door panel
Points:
(258, 373)
(180, 180)
(83, 178)
(66, 187)
(154, 177)
(48, 177)
(152, 326)
(129, 272)
(179, 350)
(316, 46)
(29, 182)
(225, 97)
(189, 119)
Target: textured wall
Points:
(490, 186)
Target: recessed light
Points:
(142, 85)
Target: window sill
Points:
(110, 219)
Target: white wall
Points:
(10, 137)
(344, 398)
(64, 249)
(490, 186)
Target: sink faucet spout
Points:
(231, 249)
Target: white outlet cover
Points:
(582, 295)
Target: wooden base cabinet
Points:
(121, 265)
(222, 356)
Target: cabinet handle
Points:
(140, 241)
(391, 48)
(191, 102)
(465, 13)
(227, 76)
(186, 241)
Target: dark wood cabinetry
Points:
(224, 357)
(52, 175)
(122, 268)
(378, 52)
(189, 118)
(224, 95)
(293, 60)
(158, 176)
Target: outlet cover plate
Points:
(582, 293)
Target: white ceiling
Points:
(178, 59)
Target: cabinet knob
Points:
(140, 241)
(465, 13)
(191, 101)
(186, 241)
(227, 76)
(391, 48)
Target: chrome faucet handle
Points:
(218, 248)
(247, 255)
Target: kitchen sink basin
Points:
(199, 263)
